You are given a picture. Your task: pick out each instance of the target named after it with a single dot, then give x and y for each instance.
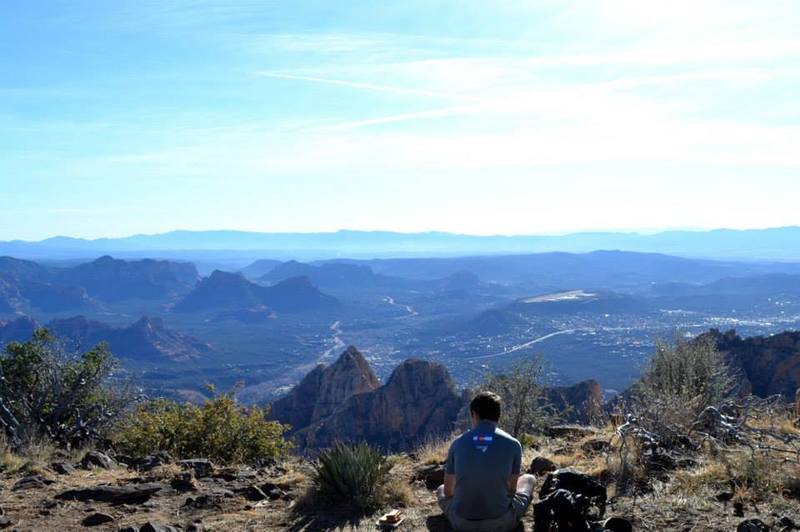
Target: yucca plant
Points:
(354, 474)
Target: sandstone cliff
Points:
(325, 388)
(580, 403)
(418, 401)
(767, 365)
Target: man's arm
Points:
(512, 483)
(449, 485)
(450, 472)
(516, 469)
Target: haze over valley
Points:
(594, 315)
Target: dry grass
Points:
(34, 459)
(708, 476)
(297, 476)
(433, 451)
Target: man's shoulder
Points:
(464, 436)
(499, 435)
(503, 435)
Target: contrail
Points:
(433, 113)
(370, 86)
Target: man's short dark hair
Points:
(486, 405)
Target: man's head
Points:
(485, 406)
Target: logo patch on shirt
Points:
(482, 441)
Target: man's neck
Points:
(485, 424)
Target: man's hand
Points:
(512, 483)
(449, 485)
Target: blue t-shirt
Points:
(483, 460)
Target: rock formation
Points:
(767, 365)
(110, 279)
(147, 339)
(328, 276)
(325, 388)
(418, 401)
(296, 294)
(344, 402)
(18, 330)
(25, 283)
(220, 291)
(580, 403)
(223, 291)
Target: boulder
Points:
(541, 465)
(278, 493)
(183, 482)
(157, 527)
(31, 482)
(617, 524)
(567, 498)
(97, 519)
(231, 474)
(254, 493)
(274, 492)
(213, 499)
(5, 521)
(152, 461)
(97, 459)
(432, 475)
(752, 525)
(132, 494)
(62, 468)
(202, 467)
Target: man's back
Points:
(483, 460)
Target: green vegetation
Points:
(356, 475)
(522, 388)
(49, 393)
(220, 429)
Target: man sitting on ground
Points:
(483, 489)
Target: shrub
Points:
(525, 409)
(220, 429)
(51, 394)
(353, 474)
(680, 382)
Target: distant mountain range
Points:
(146, 340)
(755, 244)
(562, 271)
(225, 291)
(26, 285)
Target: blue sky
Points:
(140, 116)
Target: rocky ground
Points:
(161, 494)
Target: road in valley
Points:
(525, 345)
(407, 308)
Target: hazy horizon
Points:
(630, 231)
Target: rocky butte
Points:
(419, 401)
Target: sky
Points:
(502, 117)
